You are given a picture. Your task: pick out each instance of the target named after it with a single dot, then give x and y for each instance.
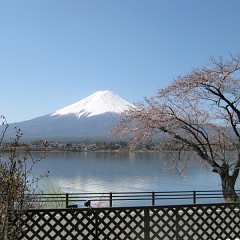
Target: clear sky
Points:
(56, 52)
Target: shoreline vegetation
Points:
(96, 146)
(87, 146)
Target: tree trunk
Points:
(228, 188)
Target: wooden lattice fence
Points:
(206, 221)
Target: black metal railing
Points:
(110, 199)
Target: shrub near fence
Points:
(205, 221)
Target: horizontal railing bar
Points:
(129, 194)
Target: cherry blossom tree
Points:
(198, 112)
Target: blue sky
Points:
(56, 52)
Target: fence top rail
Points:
(236, 206)
(123, 195)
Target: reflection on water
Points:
(116, 172)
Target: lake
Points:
(74, 172)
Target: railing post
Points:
(67, 199)
(153, 198)
(146, 223)
(194, 197)
(96, 226)
(177, 225)
(110, 199)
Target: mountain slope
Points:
(90, 118)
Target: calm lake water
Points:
(74, 172)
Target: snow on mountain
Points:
(98, 103)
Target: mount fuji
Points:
(100, 102)
(91, 118)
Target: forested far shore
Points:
(85, 146)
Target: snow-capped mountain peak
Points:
(98, 103)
